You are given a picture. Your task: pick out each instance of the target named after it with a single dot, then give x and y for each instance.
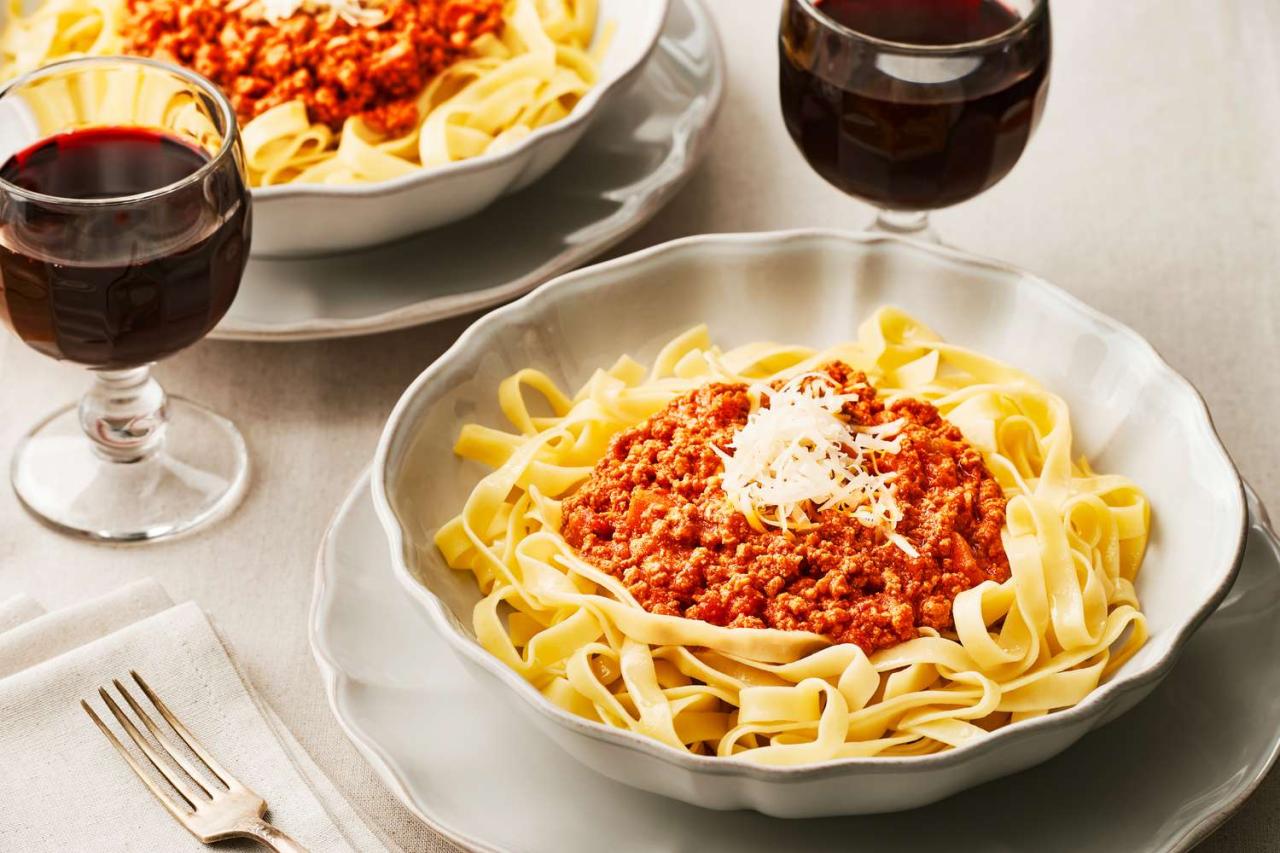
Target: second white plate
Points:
(638, 153)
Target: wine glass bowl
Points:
(125, 222)
(913, 105)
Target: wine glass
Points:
(124, 230)
(913, 105)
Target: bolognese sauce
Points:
(653, 514)
(335, 68)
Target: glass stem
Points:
(906, 223)
(124, 414)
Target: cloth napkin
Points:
(63, 787)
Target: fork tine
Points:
(187, 737)
(165, 800)
(172, 778)
(161, 738)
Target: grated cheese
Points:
(355, 12)
(799, 456)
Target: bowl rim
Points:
(585, 110)
(1099, 701)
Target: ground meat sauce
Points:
(336, 69)
(653, 514)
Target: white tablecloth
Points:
(1152, 191)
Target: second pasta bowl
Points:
(649, 698)
(293, 220)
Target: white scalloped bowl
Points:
(298, 220)
(1131, 412)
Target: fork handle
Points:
(268, 836)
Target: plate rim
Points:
(333, 677)
(1094, 706)
(1199, 830)
(434, 309)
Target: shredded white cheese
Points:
(355, 12)
(799, 456)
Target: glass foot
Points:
(197, 473)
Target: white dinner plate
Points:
(638, 153)
(1160, 778)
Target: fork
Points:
(212, 813)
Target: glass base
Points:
(196, 475)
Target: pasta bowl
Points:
(305, 219)
(1131, 413)
(295, 220)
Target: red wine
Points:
(922, 22)
(128, 280)
(912, 131)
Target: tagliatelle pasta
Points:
(528, 74)
(59, 29)
(1065, 619)
(123, 98)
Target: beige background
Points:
(1152, 192)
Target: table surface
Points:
(1150, 191)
